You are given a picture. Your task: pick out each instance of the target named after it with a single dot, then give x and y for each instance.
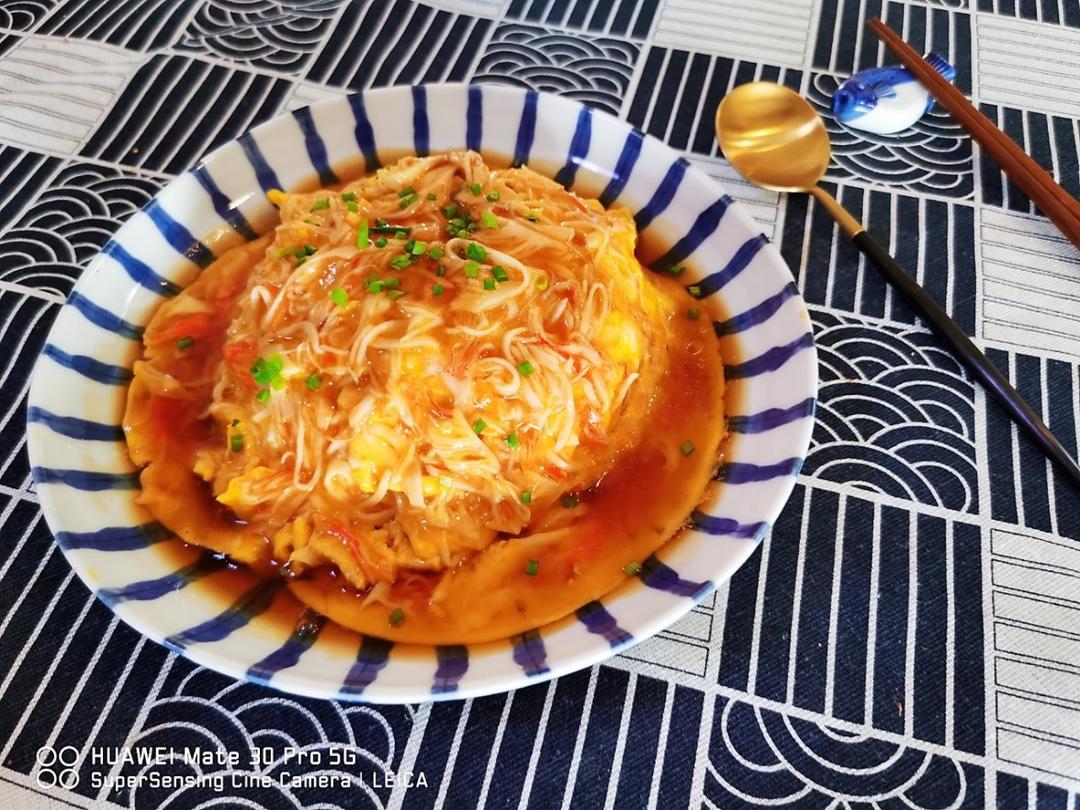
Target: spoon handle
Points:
(950, 333)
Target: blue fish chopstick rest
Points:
(885, 100)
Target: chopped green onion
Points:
(472, 269)
(391, 283)
(380, 242)
(489, 220)
(376, 286)
(381, 223)
(402, 261)
(349, 196)
(309, 249)
(418, 248)
(431, 196)
(475, 189)
(532, 567)
(436, 289)
(393, 295)
(451, 211)
(526, 368)
(381, 226)
(362, 234)
(407, 192)
(299, 252)
(533, 216)
(260, 372)
(500, 273)
(266, 370)
(687, 448)
(674, 270)
(440, 271)
(435, 253)
(476, 251)
(353, 207)
(632, 569)
(236, 442)
(313, 382)
(404, 204)
(570, 501)
(489, 284)
(478, 426)
(512, 441)
(401, 236)
(694, 290)
(300, 260)
(283, 252)
(310, 221)
(320, 205)
(493, 196)
(397, 617)
(339, 297)
(277, 383)
(693, 313)
(185, 343)
(263, 395)
(526, 497)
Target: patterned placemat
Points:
(909, 635)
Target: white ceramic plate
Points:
(87, 484)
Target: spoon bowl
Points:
(773, 136)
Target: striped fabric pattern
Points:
(903, 634)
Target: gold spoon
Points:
(776, 140)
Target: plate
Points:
(87, 485)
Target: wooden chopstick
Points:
(1057, 204)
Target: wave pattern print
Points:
(759, 756)
(595, 71)
(277, 36)
(22, 15)
(68, 223)
(896, 415)
(934, 156)
(23, 173)
(280, 740)
(91, 687)
(42, 253)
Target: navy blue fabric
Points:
(906, 634)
